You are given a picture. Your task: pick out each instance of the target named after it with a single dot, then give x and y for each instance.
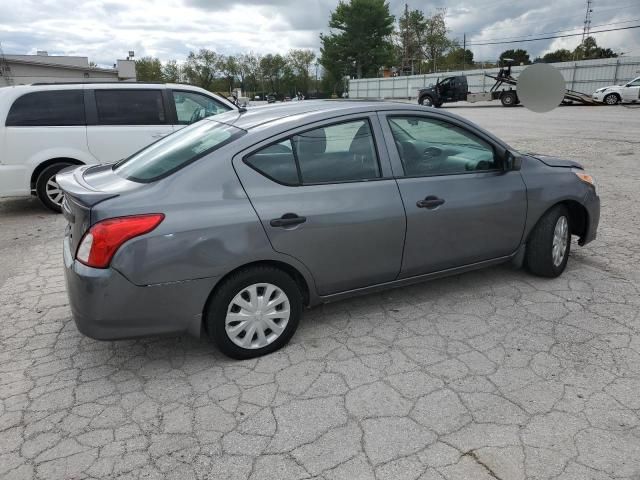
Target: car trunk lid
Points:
(84, 187)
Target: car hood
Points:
(555, 161)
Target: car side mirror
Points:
(511, 161)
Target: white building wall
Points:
(584, 76)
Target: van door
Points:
(124, 121)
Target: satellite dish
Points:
(541, 87)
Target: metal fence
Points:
(583, 76)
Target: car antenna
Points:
(235, 101)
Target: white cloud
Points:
(106, 30)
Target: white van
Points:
(47, 127)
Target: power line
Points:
(558, 31)
(494, 26)
(552, 37)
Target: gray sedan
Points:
(234, 225)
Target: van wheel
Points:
(254, 312)
(550, 243)
(48, 190)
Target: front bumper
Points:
(107, 306)
(599, 97)
(592, 204)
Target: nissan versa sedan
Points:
(235, 224)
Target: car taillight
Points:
(100, 243)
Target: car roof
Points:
(293, 111)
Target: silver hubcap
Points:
(427, 102)
(560, 241)
(257, 316)
(53, 191)
(611, 100)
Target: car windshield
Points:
(176, 151)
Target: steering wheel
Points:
(432, 157)
(196, 115)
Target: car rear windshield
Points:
(172, 153)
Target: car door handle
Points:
(287, 220)
(430, 202)
(159, 135)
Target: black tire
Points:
(611, 99)
(427, 101)
(44, 188)
(509, 99)
(220, 304)
(539, 250)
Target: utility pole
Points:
(464, 50)
(587, 20)
(5, 69)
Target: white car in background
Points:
(47, 127)
(614, 94)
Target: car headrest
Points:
(310, 143)
(361, 143)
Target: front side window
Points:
(191, 106)
(48, 108)
(170, 154)
(433, 147)
(130, 107)
(634, 83)
(337, 153)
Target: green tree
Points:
(171, 72)
(435, 41)
(589, 49)
(520, 56)
(149, 69)
(228, 67)
(560, 55)
(300, 62)
(456, 58)
(360, 42)
(272, 70)
(412, 28)
(201, 69)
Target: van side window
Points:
(192, 106)
(130, 107)
(47, 108)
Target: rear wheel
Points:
(48, 190)
(509, 99)
(550, 243)
(254, 312)
(611, 99)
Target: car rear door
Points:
(122, 121)
(462, 207)
(325, 195)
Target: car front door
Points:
(122, 121)
(326, 196)
(631, 91)
(462, 207)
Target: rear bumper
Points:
(592, 204)
(107, 306)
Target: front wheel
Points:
(254, 312)
(611, 99)
(427, 101)
(549, 245)
(47, 188)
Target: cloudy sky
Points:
(105, 30)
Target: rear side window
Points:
(342, 152)
(174, 152)
(48, 108)
(192, 106)
(276, 162)
(130, 107)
